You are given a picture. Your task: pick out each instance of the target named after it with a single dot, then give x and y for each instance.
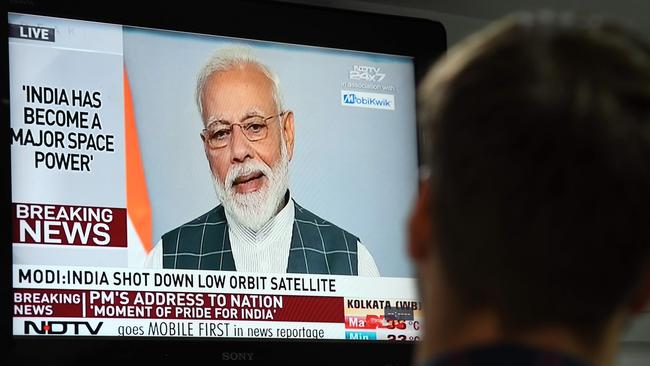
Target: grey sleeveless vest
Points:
(317, 246)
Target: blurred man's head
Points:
(536, 133)
(248, 137)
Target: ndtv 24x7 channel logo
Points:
(61, 328)
(367, 73)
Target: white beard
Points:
(254, 209)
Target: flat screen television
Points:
(110, 255)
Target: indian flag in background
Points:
(138, 207)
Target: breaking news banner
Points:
(54, 300)
(69, 225)
(68, 134)
(68, 125)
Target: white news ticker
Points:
(176, 328)
(114, 279)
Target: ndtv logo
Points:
(367, 100)
(368, 73)
(61, 327)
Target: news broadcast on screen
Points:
(129, 220)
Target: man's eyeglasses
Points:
(218, 133)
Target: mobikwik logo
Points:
(367, 100)
(61, 327)
(353, 99)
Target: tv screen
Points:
(231, 180)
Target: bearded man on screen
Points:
(248, 139)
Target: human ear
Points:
(641, 298)
(288, 131)
(421, 223)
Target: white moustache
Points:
(246, 169)
(254, 209)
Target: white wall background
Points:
(463, 17)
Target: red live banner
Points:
(35, 223)
(177, 305)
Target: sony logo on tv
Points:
(61, 327)
(237, 356)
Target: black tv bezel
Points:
(422, 39)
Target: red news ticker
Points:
(48, 303)
(372, 321)
(35, 223)
(176, 305)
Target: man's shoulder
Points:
(505, 354)
(304, 216)
(213, 217)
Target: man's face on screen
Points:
(251, 177)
